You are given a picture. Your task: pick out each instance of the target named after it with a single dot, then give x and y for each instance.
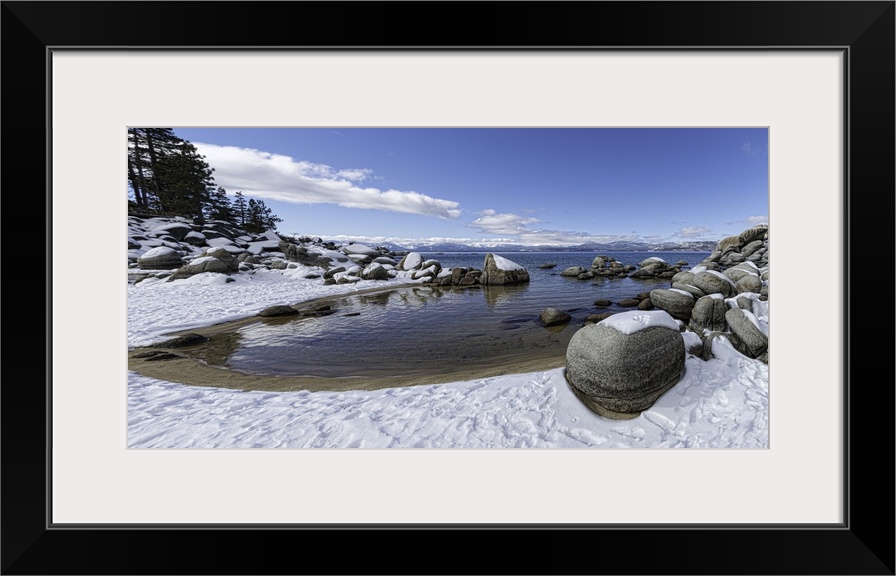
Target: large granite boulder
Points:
(195, 238)
(499, 271)
(748, 330)
(677, 303)
(735, 273)
(689, 288)
(750, 283)
(623, 364)
(160, 258)
(411, 261)
(361, 249)
(758, 232)
(751, 248)
(712, 282)
(217, 260)
(730, 243)
(177, 230)
(708, 314)
(375, 271)
(684, 277)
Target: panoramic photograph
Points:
(448, 287)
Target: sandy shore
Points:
(192, 365)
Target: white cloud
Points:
(693, 231)
(508, 224)
(516, 228)
(356, 175)
(278, 177)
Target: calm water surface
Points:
(426, 329)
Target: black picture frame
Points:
(864, 544)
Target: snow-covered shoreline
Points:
(720, 403)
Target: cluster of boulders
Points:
(608, 267)
(620, 364)
(175, 248)
(722, 294)
(495, 271)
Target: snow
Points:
(219, 242)
(752, 318)
(151, 242)
(680, 291)
(203, 260)
(505, 264)
(412, 260)
(165, 229)
(333, 255)
(720, 403)
(361, 249)
(720, 275)
(257, 248)
(631, 322)
(159, 251)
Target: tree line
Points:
(168, 177)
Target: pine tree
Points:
(184, 182)
(146, 146)
(240, 209)
(168, 177)
(259, 217)
(219, 207)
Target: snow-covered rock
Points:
(411, 261)
(620, 366)
(160, 258)
(499, 271)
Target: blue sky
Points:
(524, 185)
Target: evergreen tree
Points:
(219, 207)
(168, 177)
(184, 181)
(146, 146)
(240, 209)
(259, 217)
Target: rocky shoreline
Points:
(721, 296)
(622, 363)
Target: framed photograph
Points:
(817, 77)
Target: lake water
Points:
(426, 329)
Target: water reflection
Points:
(426, 329)
(420, 296)
(221, 347)
(380, 298)
(503, 295)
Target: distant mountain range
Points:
(621, 246)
